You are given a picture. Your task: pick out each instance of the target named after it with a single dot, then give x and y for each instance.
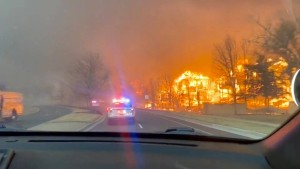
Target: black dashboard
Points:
(110, 152)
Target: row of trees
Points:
(160, 92)
(276, 57)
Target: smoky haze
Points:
(137, 39)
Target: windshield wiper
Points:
(180, 130)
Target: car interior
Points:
(191, 59)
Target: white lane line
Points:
(140, 126)
(95, 124)
(187, 125)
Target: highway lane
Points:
(149, 121)
(45, 114)
(146, 121)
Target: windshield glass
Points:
(222, 68)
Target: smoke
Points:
(138, 39)
(290, 11)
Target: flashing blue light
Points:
(125, 100)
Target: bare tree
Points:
(167, 84)
(88, 75)
(226, 59)
(153, 91)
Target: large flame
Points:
(192, 89)
(196, 88)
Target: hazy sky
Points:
(138, 39)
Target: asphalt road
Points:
(149, 121)
(45, 114)
(145, 121)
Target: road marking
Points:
(94, 125)
(140, 126)
(187, 125)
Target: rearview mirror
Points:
(295, 88)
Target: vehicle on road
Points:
(95, 103)
(120, 109)
(11, 105)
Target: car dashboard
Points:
(127, 152)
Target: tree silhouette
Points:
(87, 76)
(282, 40)
(263, 81)
(226, 59)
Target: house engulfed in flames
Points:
(194, 89)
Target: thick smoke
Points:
(138, 39)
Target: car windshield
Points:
(218, 68)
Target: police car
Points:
(120, 109)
